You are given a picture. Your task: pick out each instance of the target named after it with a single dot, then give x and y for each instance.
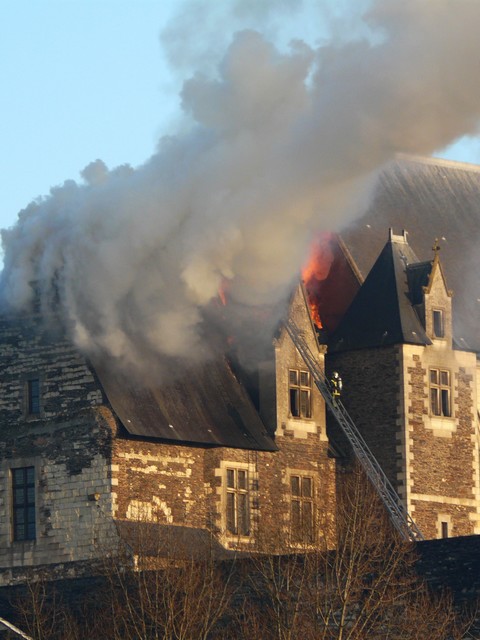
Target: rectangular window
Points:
(23, 503)
(438, 324)
(440, 395)
(444, 529)
(301, 508)
(300, 388)
(33, 396)
(238, 520)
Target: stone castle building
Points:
(411, 390)
(224, 460)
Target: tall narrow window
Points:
(23, 503)
(238, 520)
(300, 387)
(440, 400)
(444, 526)
(33, 396)
(438, 324)
(301, 508)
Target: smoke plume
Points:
(281, 143)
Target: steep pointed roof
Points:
(383, 312)
(418, 277)
(431, 198)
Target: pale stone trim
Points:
(147, 511)
(301, 427)
(443, 427)
(476, 446)
(439, 499)
(405, 440)
(127, 455)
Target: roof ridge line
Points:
(442, 162)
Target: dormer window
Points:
(438, 323)
(300, 387)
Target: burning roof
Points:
(382, 313)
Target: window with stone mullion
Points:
(23, 503)
(238, 521)
(301, 508)
(300, 393)
(440, 393)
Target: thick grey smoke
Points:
(281, 144)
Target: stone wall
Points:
(186, 487)
(442, 451)
(159, 482)
(432, 461)
(67, 442)
(370, 394)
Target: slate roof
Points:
(206, 406)
(431, 199)
(452, 563)
(382, 312)
(417, 278)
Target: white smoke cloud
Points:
(281, 143)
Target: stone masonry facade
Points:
(185, 486)
(67, 443)
(429, 453)
(90, 476)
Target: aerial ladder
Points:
(399, 516)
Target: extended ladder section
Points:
(400, 518)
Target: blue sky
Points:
(88, 79)
(80, 80)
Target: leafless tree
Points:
(154, 587)
(366, 588)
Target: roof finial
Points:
(436, 246)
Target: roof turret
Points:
(383, 311)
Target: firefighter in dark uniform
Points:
(337, 385)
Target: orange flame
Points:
(315, 270)
(222, 291)
(222, 296)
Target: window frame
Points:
(445, 528)
(438, 324)
(32, 396)
(237, 501)
(440, 396)
(300, 393)
(27, 507)
(302, 508)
